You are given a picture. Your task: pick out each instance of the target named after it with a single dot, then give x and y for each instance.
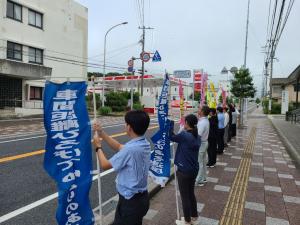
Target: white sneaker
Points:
(182, 222)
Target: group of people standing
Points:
(209, 134)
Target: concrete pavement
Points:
(289, 134)
(254, 182)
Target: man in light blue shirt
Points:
(131, 162)
(221, 130)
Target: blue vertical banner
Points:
(68, 157)
(160, 157)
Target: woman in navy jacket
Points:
(186, 160)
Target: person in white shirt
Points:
(226, 125)
(203, 131)
(235, 115)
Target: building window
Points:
(14, 51)
(295, 87)
(36, 93)
(35, 19)
(35, 55)
(14, 11)
(277, 89)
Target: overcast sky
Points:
(192, 34)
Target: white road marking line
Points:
(22, 139)
(42, 201)
(16, 120)
(28, 138)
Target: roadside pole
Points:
(176, 186)
(98, 164)
(131, 69)
(173, 151)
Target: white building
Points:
(39, 39)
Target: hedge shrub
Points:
(138, 106)
(116, 100)
(276, 108)
(105, 110)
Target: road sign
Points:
(156, 57)
(145, 56)
(182, 73)
(130, 63)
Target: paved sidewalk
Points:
(289, 134)
(254, 182)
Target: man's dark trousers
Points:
(220, 140)
(131, 211)
(212, 151)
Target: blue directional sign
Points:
(130, 69)
(156, 57)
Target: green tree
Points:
(242, 86)
(95, 74)
(257, 100)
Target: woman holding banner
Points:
(186, 160)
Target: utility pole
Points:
(246, 41)
(271, 73)
(143, 50)
(245, 60)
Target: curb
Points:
(290, 148)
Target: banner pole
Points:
(176, 186)
(98, 165)
(173, 149)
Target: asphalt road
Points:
(24, 181)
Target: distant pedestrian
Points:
(212, 138)
(220, 137)
(131, 162)
(203, 131)
(230, 110)
(186, 160)
(235, 114)
(226, 126)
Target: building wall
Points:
(292, 93)
(64, 34)
(277, 92)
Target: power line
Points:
(290, 6)
(80, 57)
(279, 21)
(71, 61)
(115, 50)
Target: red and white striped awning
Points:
(118, 82)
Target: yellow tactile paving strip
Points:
(234, 209)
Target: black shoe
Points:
(210, 165)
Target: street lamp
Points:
(104, 58)
(232, 70)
